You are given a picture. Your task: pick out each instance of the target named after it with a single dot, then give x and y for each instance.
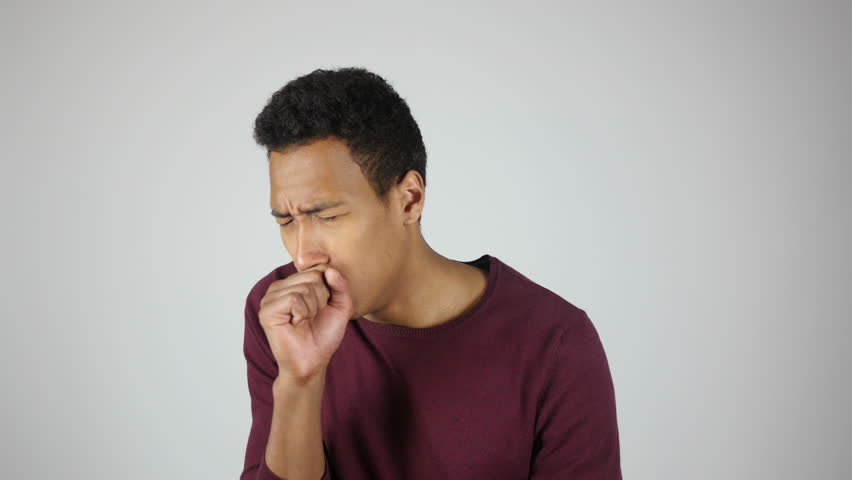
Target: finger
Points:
(322, 293)
(277, 311)
(316, 274)
(287, 307)
(280, 287)
(315, 289)
(309, 296)
(314, 297)
(311, 275)
(341, 296)
(299, 309)
(280, 293)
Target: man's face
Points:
(356, 234)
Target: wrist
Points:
(285, 382)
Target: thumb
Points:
(341, 298)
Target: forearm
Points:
(294, 448)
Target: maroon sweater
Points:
(517, 387)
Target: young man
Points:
(371, 356)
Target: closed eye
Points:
(327, 219)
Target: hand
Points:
(304, 317)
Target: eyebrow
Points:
(309, 209)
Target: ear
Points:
(412, 196)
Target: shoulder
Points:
(548, 313)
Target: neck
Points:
(430, 290)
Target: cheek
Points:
(367, 250)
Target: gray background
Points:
(679, 170)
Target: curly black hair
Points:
(355, 106)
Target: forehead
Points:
(322, 170)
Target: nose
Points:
(309, 251)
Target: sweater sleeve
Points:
(261, 372)
(264, 473)
(576, 432)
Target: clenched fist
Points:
(304, 317)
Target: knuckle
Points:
(292, 296)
